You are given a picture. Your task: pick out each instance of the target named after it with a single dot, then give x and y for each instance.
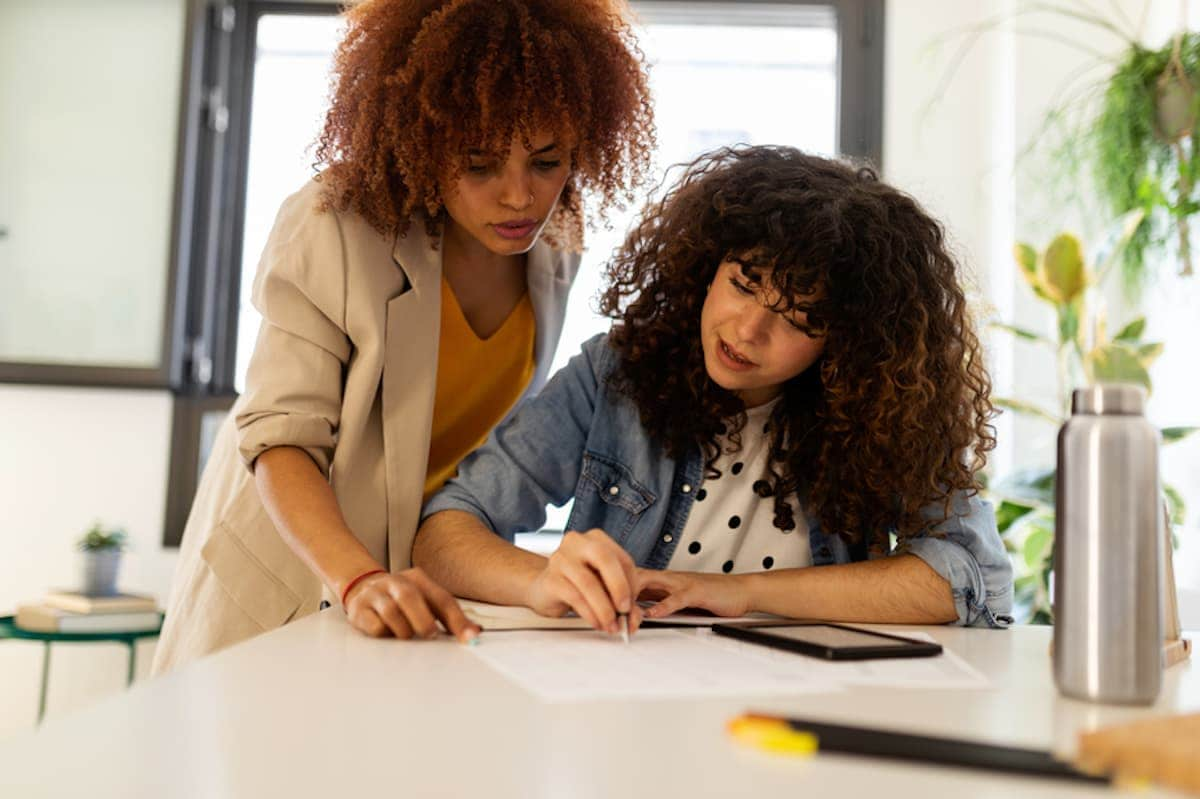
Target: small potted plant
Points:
(101, 550)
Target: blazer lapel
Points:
(409, 384)
(549, 282)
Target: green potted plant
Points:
(1135, 131)
(1084, 353)
(101, 550)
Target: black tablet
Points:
(828, 641)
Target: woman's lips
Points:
(518, 229)
(733, 359)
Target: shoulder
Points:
(598, 353)
(308, 214)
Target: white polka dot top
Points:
(731, 528)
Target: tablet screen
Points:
(833, 637)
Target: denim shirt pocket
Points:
(608, 497)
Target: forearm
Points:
(458, 551)
(901, 589)
(305, 511)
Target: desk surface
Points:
(316, 710)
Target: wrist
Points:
(354, 580)
(749, 585)
(527, 580)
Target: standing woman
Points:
(411, 294)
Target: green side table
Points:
(9, 630)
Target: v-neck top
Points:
(478, 382)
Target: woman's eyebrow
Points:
(551, 146)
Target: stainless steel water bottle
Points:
(1108, 549)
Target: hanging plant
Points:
(1135, 131)
(1144, 148)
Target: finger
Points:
(655, 585)
(446, 608)
(411, 601)
(566, 592)
(392, 617)
(616, 571)
(587, 583)
(669, 604)
(368, 622)
(635, 619)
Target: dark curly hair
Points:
(893, 416)
(418, 83)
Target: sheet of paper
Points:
(946, 670)
(585, 666)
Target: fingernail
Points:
(470, 637)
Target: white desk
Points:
(316, 710)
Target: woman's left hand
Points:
(722, 594)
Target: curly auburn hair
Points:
(419, 83)
(893, 416)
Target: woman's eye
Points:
(478, 169)
(546, 166)
(740, 288)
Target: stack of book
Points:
(71, 612)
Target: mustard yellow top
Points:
(478, 382)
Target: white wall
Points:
(68, 457)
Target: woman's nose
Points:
(752, 322)
(515, 193)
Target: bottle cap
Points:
(1127, 399)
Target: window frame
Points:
(213, 165)
(167, 372)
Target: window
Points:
(85, 220)
(802, 73)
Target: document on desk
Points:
(587, 666)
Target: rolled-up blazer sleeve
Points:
(294, 384)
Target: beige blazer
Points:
(345, 367)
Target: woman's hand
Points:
(592, 575)
(722, 594)
(407, 605)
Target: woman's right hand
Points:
(407, 604)
(592, 575)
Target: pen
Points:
(624, 617)
(787, 735)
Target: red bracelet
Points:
(357, 580)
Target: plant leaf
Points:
(1009, 513)
(1110, 252)
(1148, 353)
(1133, 331)
(1172, 435)
(1021, 333)
(1176, 506)
(1026, 258)
(1068, 321)
(1027, 408)
(1037, 547)
(1062, 271)
(1117, 363)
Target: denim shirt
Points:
(580, 438)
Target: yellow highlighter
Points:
(771, 735)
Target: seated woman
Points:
(792, 380)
